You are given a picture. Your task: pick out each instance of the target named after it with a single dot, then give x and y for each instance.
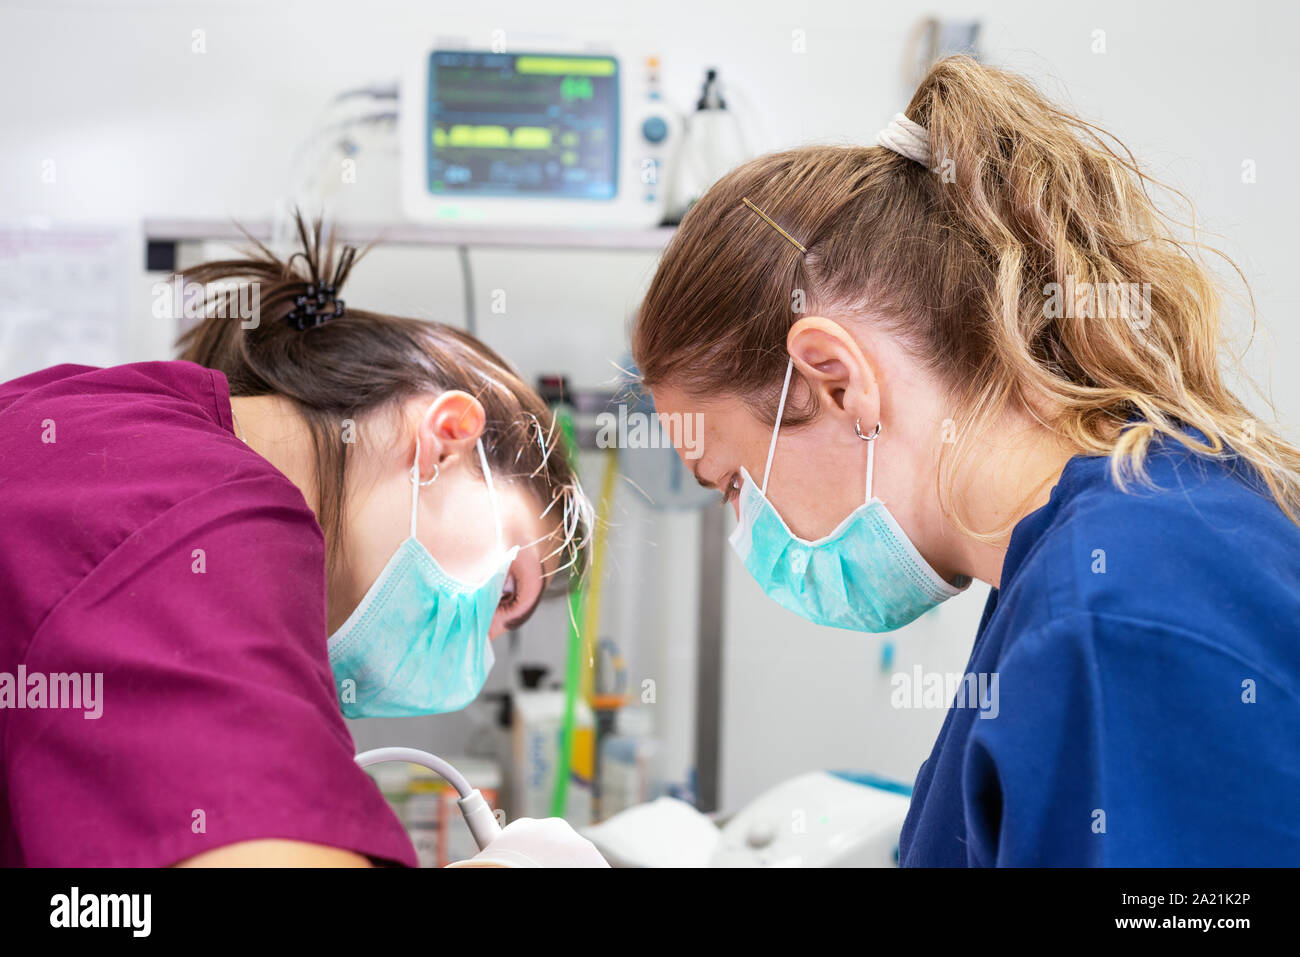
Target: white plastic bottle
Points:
(628, 767)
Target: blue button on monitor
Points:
(654, 129)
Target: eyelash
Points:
(506, 603)
(731, 491)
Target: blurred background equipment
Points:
(714, 143)
(537, 137)
(67, 294)
(348, 163)
(820, 819)
(933, 39)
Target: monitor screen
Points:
(523, 124)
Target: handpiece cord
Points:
(478, 813)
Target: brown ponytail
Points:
(971, 261)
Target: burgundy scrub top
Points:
(142, 541)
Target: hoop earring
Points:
(415, 476)
(857, 427)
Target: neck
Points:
(274, 429)
(1009, 477)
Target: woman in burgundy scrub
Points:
(205, 564)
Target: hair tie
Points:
(906, 138)
(317, 305)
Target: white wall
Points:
(138, 125)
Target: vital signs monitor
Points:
(535, 138)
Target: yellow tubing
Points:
(596, 575)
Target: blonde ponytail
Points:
(1097, 306)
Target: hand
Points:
(533, 842)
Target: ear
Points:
(448, 427)
(835, 367)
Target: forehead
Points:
(672, 401)
(706, 427)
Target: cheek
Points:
(805, 505)
(815, 486)
(464, 538)
(524, 526)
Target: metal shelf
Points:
(163, 235)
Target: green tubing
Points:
(573, 666)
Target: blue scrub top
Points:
(1147, 652)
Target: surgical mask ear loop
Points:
(416, 484)
(871, 450)
(492, 494)
(780, 412)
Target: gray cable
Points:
(423, 758)
(467, 280)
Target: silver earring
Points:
(857, 427)
(415, 476)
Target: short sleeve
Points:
(211, 716)
(1120, 742)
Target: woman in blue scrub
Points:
(979, 351)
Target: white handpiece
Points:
(478, 814)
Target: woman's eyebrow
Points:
(695, 466)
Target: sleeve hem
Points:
(329, 829)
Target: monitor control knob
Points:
(654, 129)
